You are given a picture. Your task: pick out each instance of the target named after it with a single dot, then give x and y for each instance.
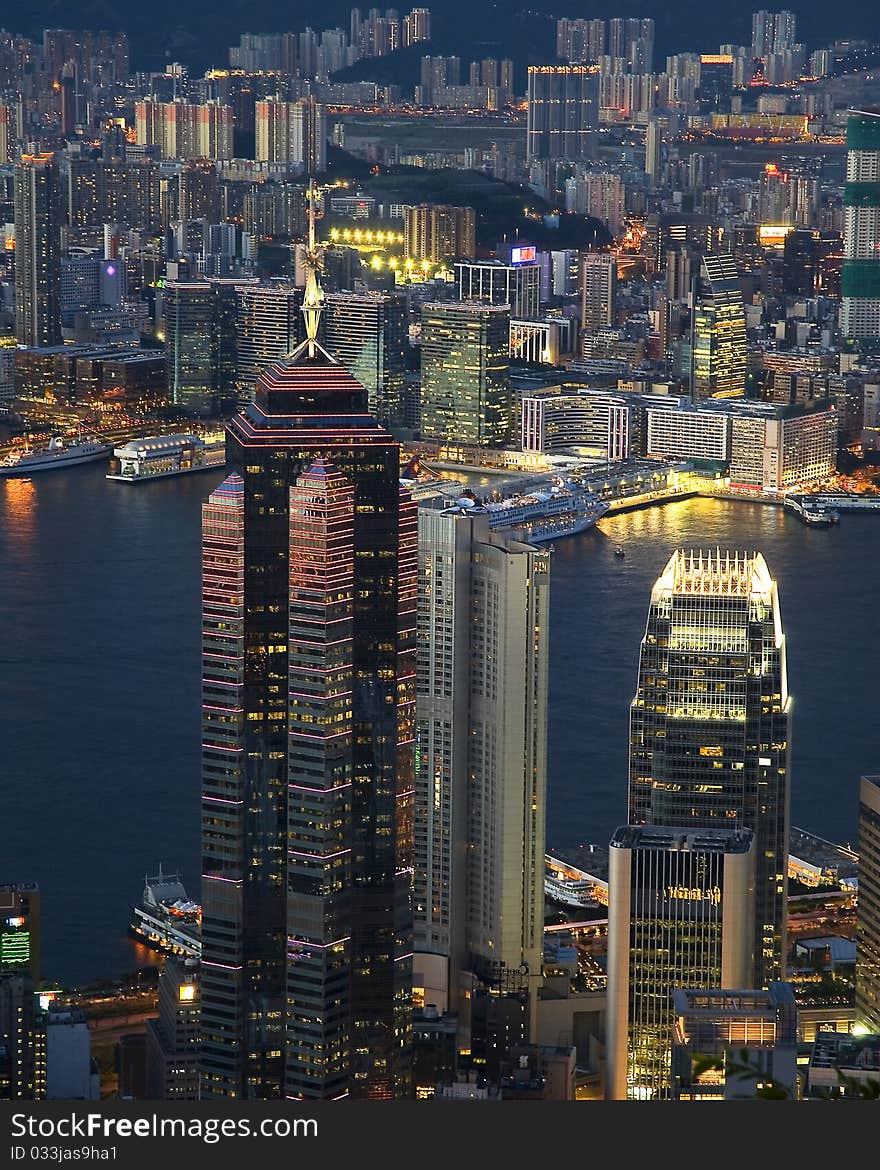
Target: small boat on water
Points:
(618, 552)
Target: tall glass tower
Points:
(37, 251)
(718, 331)
(309, 595)
(710, 721)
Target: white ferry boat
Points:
(55, 456)
(548, 514)
(165, 919)
(159, 456)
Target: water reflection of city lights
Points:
(18, 500)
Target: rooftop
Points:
(695, 572)
(684, 840)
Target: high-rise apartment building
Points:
(773, 32)
(439, 233)
(710, 723)
(517, 284)
(598, 278)
(309, 593)
(563, 111)
(868, 911)
(38, 214)
(718, 330)
(481, 740)
(267, 326)
(292, 132)
(367, 333)
(466, 394)
(185, 129)
(860, 278)
(416, 26)
(580, 41)
(680, 915)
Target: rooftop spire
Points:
(313, 300)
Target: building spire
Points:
(313, 300)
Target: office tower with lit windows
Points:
(481, 745)
(309, 595)
(710, 723)
(868, 909)
(367, 333)
(466, 395)
(562, 111)
(38, 216)
(718, 330)
(267, 326)
(680, 915)
(598, 277)
(860, 277)
(190, 324)
(517, 284)
(716, 81)
(438, 233)
(22, 1048)
(173, 1036)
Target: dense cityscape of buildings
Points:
(374, 904)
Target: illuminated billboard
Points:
(525, 254)
(772, 235)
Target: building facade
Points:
(38, 215)
(367, 332)
(438, 233)
(562, 111)
(718, 330)
(710, 722)
(860, 278)
(680, 915)
(516, 285)
(868, 911)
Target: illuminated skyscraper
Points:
(598, 277)
(367, 333)
(185, 130)
(38, 214)
(267, 326)
(680, 915)
(868, 913)
(563, 111)
(20, 928)
(860, 278)
(309, 594)
(718, 330)
(481, 760)
(466, 373)
(438, 233)
(292, 132)
(710, 722)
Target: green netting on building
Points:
(861, 195)
(860, 278)
(863, 132)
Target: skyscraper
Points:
(38, 214)
(680, 915)
(718, 330)
(367, 333)
(173, 1037)
(868, 912)
(267, 325)
(199, 325)
(710, 722)
(309, 594)
(481, 736)
(517, 284)
(435, 232)
(860, 278)
(598, 288)
(20, 928)
(466, 373)
(563, 111)
(292, 132)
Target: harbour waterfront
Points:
(99, 682)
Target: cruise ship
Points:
(159, 456)
(548, 513)
(165, 919)
(54, 456)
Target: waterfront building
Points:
(860, 278)
(173, 1037)
(20, 928)
(598, 290)
(750, 1035)
(710, 723)
(868, 909)
(199, 336)
(466, 373)
(777, 448)
(367, 333)
(718, 330)
(481, 775)
(309, 595)
(687, 433)
(680, 915)
(38, 214)
(517, 285)
(437, 233)
(562, 111)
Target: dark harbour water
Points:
(99, 683)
